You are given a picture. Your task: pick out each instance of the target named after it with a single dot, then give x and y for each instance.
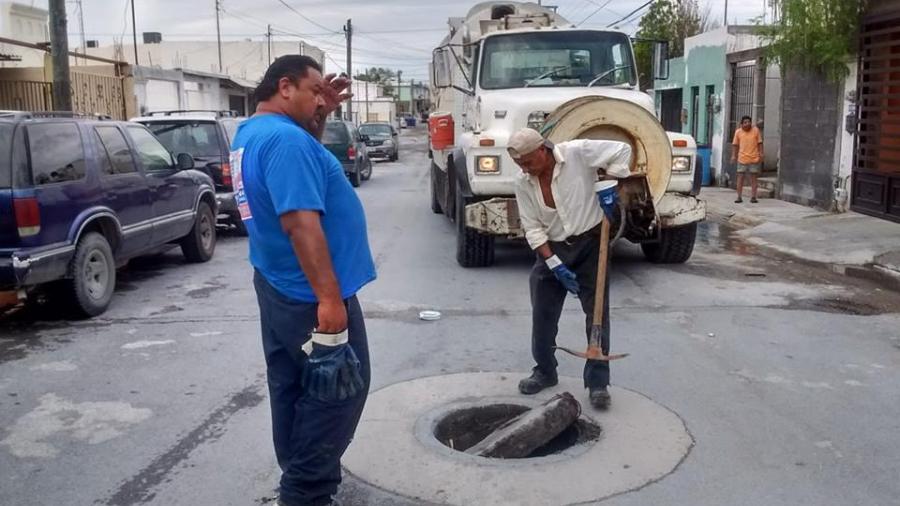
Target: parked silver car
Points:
(383, 141)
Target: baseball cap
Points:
(523, 142)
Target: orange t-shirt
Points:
(748, 145)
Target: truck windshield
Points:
(555, 59)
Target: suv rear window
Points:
(335, 133)
(6, 133)
(57, 155)
(198, 139)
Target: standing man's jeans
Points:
(548, 296)
(310, 435)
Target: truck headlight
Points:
(487, 164)
(537, 119)
(681, 164)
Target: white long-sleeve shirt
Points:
(577, 209)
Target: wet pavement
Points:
(784, 372)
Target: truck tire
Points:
(674, 247)
(93, 270)
(200, 244)
(435, 202)
(473, 249)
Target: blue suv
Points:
(80, 197)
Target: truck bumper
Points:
(676, 210)
(497, 216)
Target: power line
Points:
(595, 12)
(295, 11)
(632, 13)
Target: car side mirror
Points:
(184, 161)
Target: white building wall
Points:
(246, 60)
(22, 22)
(844, 150)
(159, 95)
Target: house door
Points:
(670, 110)
(876, 172)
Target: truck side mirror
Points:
(660, 60)
(440, 69)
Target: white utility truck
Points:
(508, 65)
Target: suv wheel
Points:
(200, 244)
(354, 177)
(93, 271)
(367, 172)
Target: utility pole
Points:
(726, 13)
(412, 109)
(269, 42)
(81, 29)
(134, 33)
(219, 36)
(59, 53)
(348, 31)
(367, 99)
(399, 89)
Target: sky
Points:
(398, 34)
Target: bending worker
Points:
(561, 216)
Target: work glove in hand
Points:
(332, 372)
(608, 198)
(563, 274)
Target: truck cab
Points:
(509, 65)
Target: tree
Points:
(672, 21)
(380, 75)
(817, 35)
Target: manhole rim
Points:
(426, 424)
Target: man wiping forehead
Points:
(561, 215)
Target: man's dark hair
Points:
(292, 66)
(746, 118)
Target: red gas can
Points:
(440, 127)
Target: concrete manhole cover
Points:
(402, 444)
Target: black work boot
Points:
(600, 398)
(537, 382)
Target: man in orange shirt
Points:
(747, 152)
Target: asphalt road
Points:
(786, 375)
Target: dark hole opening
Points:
(464, 428)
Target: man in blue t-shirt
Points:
(310, 253)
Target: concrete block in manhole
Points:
(413, 436)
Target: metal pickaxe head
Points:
(592, 353)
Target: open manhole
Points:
(463, 428)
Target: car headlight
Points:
(681, 164)
(487, 164)
(388, 142)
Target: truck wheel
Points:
(435, 202)
(473, 249)
(200, 244)
(93, 272)
(674, 247)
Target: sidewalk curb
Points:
(884, 274)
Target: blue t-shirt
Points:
(278, 167)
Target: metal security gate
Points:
(876, 174)
(98, 94)
(26, 96)
(741, 95)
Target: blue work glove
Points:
(563, 274)
(332, 372)
(608, 197)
